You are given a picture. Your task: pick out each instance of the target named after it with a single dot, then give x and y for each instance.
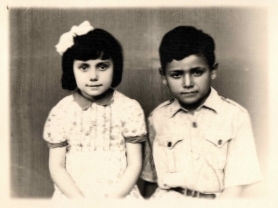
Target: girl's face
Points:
(93, 77)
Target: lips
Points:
(190, 93)
(93, 85)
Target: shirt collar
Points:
(85, 103)
(212, 102)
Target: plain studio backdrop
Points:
(241, 41)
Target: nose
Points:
(187, 81)
(93, 75)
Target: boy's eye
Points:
(102, 66)
(197, 72)
(175, 75)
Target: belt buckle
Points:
(192, 193)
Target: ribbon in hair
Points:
(66, 40)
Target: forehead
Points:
(93, 61)
(187, 63)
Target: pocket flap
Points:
(219, 138)
(169, 141)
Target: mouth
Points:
(190, 93)
(94, 86)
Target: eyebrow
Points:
(104, 62)
(191, 69)
(198, 68)
(100, 62)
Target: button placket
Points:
(170, 157)
(194, 137)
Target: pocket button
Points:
(194, 124)
(169, 144)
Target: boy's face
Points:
(189, 80)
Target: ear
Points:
(163, 78)
(161, 72)
(214, 71)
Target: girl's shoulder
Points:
(64, 103)
(123, 100)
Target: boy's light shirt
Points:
(207, 152)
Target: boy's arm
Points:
(132, 172)
(149, 174)
(231, 192)
(60, 175)
(242, 167)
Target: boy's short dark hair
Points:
(95, 44)
(184, 41)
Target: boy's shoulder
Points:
(231, 104)
(161, 108)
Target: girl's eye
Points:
(84, 67)
(175, 75)
(102, 66)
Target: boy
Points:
(200, 144)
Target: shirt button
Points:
(169, 144)
(219, 142)
(194, 124)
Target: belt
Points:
(188, 192)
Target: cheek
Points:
(76, 74)
(109, 76)
(174, 87)
(174, 83)
(77, 77)
(205, 81)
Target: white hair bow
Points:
(66, 40)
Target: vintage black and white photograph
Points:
(146, 104)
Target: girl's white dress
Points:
(95, 135)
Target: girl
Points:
(95, 134)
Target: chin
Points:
(92, 94)
(189, 102)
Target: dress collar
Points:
(212, 102)
(85, 103)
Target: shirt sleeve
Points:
(148, 171)
(134, 125)
(55, 127)
(242, 165)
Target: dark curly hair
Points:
(97, 43)
(184, 41)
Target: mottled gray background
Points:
(241, 49)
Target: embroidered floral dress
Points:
(95, 135)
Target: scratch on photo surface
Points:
(25, 10)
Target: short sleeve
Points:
(134, 126)
(148, 171)
(55, 127)
(242, 166)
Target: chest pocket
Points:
(215, 149)
(169, 146)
